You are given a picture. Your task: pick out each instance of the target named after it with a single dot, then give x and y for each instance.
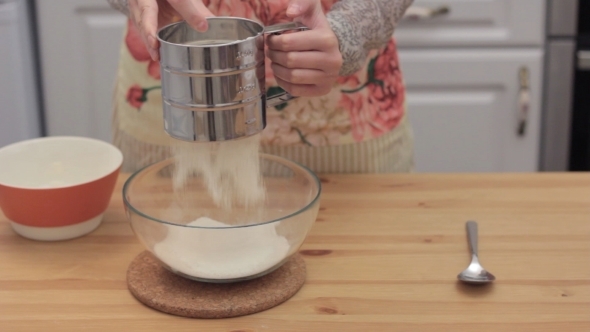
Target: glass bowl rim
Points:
(262, 156)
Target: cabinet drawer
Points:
(464, 108)
(473, 23)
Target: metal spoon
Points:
(474, 273)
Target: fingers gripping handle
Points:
(276, 29)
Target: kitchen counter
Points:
(383, 255)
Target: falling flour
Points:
(230, 170)
(227, 253)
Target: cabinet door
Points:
(19, 104)
(474, 23)
(464, 107)
(80, 42)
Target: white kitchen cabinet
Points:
(461, 69)
(474, 23)
(19, 102)
(79, 44)
(463, 105)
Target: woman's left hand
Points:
(306, 63)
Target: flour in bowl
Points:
(227, 253)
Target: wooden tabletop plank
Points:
(383, 255)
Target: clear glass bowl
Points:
(252, 243)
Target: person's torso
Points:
(361, 106)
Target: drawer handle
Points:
(524, 101)
(584, 60)
(416, 13)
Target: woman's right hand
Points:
(150, 15)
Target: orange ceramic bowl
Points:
(57, 188)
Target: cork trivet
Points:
(165, 291)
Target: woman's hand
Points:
(150, 15)
(306, 63)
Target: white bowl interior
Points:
(56, 162)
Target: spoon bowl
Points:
(474, 273)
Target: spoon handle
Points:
(472, 236)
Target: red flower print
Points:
(387, 93)
(136, 96)
(355, 106)
(384, 107)
(138, 50)
(235, 8)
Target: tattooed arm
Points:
(120, 5)
(363, 25)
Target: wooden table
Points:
(382, 256)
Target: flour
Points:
(230, 170)
(227, 253)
